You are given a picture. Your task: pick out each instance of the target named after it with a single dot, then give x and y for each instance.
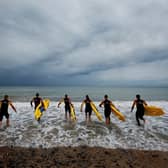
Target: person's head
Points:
(6, 97)
(66, 96)
(138, 96)
(87, 97)
(37, 94)
(106, 96)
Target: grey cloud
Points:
(78, 41)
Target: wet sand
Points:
(80, 157)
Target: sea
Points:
(54, 130)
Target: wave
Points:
(54, 130)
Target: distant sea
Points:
(77, 93)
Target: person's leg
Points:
(90, 113)
(137, 119)
(39, 120)
(85, 116)
(142, 118)
(66, 117)
(7, 119)
(107, 120)
(1, 118)
(7, 122)
(107, 116)
(66, 112)
(69, 111)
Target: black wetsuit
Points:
(140, 110)
(67, 105)
(88, 108)
(107, 109)
(4, 109)
(37, 101)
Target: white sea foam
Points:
(55, 131)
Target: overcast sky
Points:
(84, 42)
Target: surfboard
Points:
(99, 116)
(73, 115)
(40, 109)
(153, 111)
(117, 113)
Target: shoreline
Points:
(82, 157)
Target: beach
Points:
(81, 157)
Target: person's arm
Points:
(31, 102)
(72, 105)
(101, 103)
(82, 106)
(60, 102)
(70, 102)
(12, 106)
(133, 105)
(111, 103)
(144, 102)
(42, 103)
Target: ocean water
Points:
(54, 130)
(77, 93)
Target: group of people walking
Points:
(88, 109)
(138, 102)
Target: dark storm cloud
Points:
(83, 42)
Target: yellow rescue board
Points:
(99, 116)
(153, 111)
(73, 115)
(117, 113)
(40, 109)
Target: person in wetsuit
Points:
(36, 100)
(67, 102)
(88, 108)
(140, 108)
(107, 109)
(4, 104)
